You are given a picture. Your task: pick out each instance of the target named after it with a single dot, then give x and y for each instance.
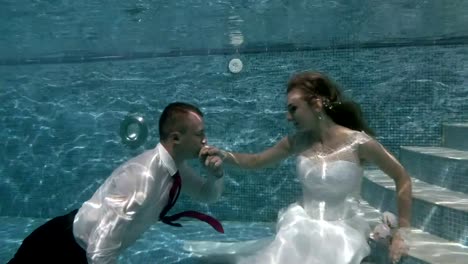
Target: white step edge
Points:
(425, 246)
(424, 191)
(442, 152)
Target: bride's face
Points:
(301, 113)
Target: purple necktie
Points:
(173, 195)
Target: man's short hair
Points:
(172, 115)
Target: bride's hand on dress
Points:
(398, 248)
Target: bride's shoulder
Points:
(355, 137)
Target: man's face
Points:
(194, 137)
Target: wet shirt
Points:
(125, 206)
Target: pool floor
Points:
(160, 244)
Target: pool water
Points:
(163, 243)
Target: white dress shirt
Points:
(125, 206)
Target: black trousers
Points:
(52, 242)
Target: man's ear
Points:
(175, 137)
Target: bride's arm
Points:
(374, 152)
(272, 155)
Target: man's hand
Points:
(210, 158)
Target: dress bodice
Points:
(324, 220)
(328, 181)
(331, 180)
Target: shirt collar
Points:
(167, 159)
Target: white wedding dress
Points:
(323, 228)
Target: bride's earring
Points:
(320, 116)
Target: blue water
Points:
(60, 122)
(164, 244)
(160, 244)
(52, 28)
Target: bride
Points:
(331, 143)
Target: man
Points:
(137, 194)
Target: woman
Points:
(331, 143)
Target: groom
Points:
(139, 192)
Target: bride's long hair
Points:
(342, 111)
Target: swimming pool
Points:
(69, 78)
(164, 244)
